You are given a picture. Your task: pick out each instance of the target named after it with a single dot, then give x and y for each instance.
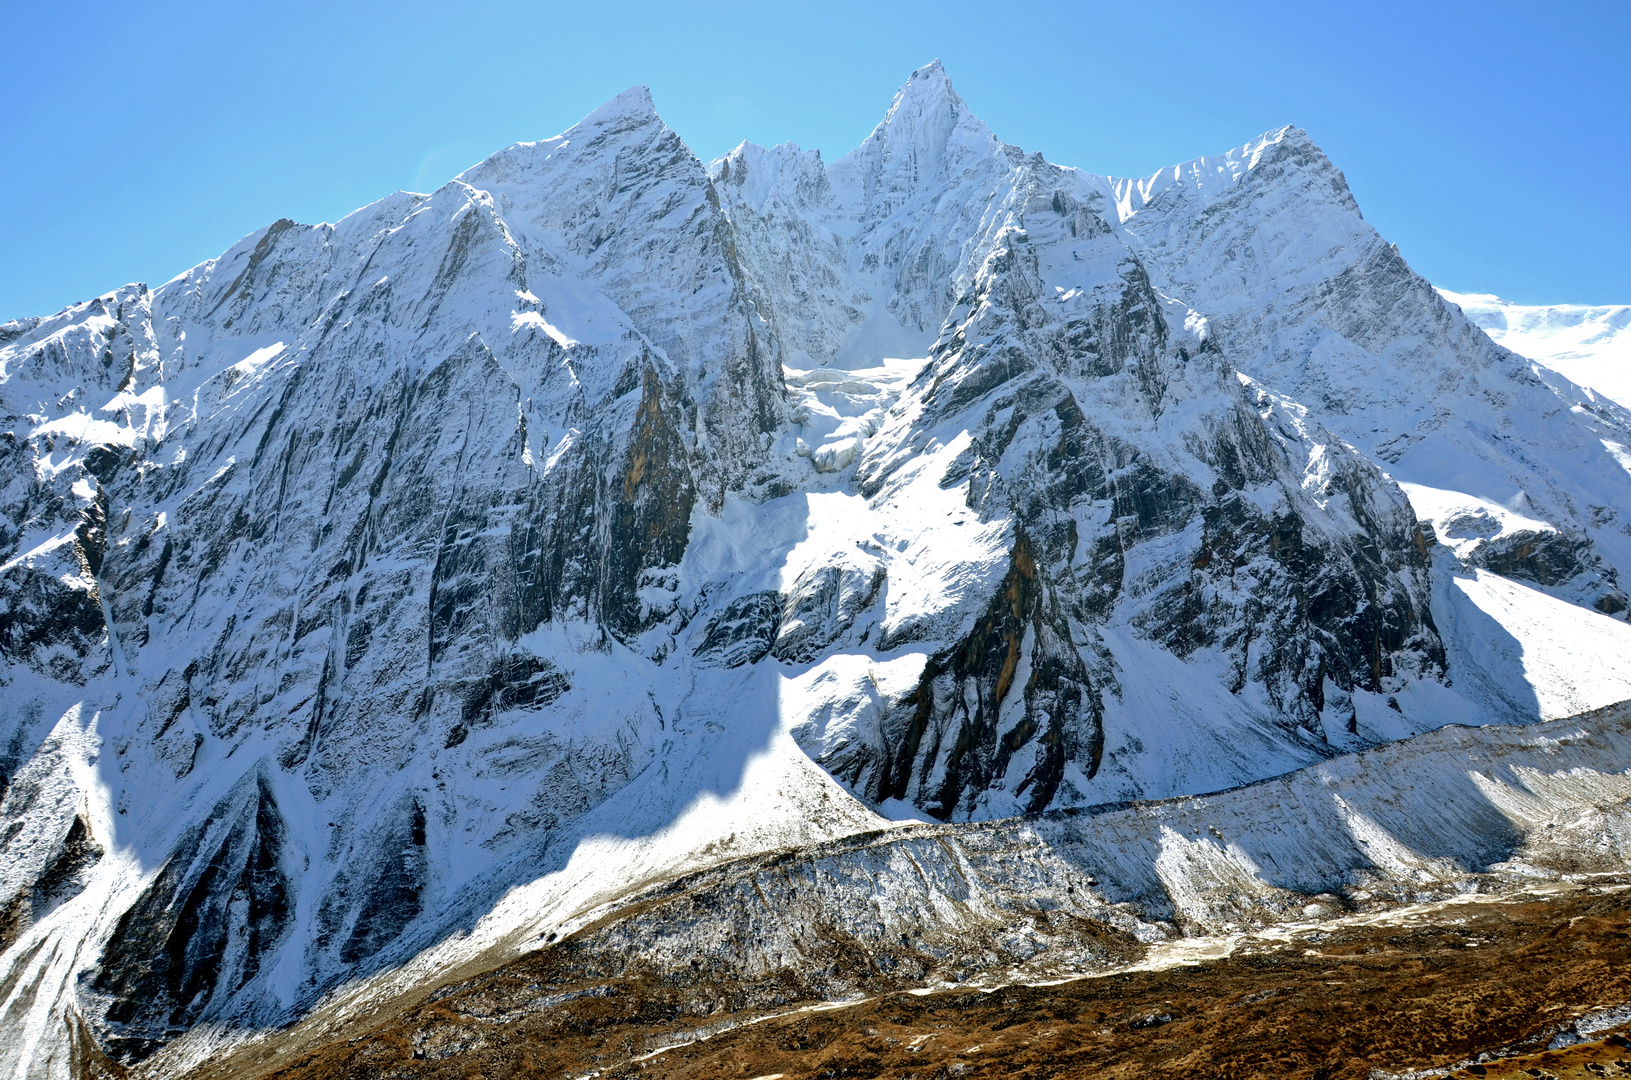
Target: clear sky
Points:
(1491, 141)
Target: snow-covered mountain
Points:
(386, 597)
(1590, 345)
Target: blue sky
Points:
(1491, 141)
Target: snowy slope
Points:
(1588, 345)
(384, 597)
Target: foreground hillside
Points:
(1532, 986)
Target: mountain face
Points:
(386, 597)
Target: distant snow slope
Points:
(384, 597)
(1589, 345)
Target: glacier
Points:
(389, 598)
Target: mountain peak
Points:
(633, 104)
(927, 93)
(1210, 176)
(933, 71)
(928, 134)
(630, 115)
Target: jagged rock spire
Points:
(927, 135)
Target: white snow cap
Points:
(927, 105)
(633, 103)
(931, 74)
(927, 135)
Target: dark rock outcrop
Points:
(199, 933)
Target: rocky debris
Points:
(1065, 896)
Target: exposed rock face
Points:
(413, 586)
(1143, 480)
(1566, 561)
(946, 742)
(1303, 294)
(61, 877)
(202, 929)
(362, 914)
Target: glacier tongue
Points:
(388, 597)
